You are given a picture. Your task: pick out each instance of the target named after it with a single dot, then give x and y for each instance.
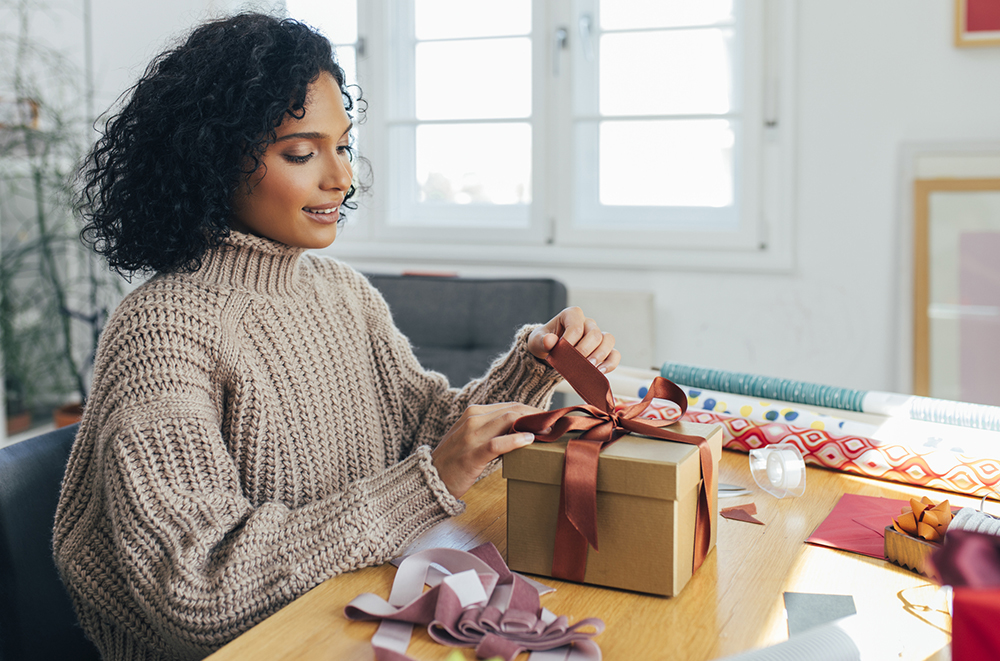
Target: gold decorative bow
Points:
(924, 520)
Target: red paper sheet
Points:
(856, 522)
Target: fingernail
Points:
(527, 439)
(593, 361)
(602, 369)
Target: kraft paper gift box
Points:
(647, 496)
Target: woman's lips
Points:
(326, 214)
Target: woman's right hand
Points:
(478, 437)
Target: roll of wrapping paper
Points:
(903, 450)
(919, 435)
(962, 414)
(898, 461)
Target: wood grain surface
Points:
(733, 603)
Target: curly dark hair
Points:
(157, 187)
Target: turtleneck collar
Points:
(254, 263)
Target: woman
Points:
(256, 424)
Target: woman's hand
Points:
(580, 331)
(481, 435)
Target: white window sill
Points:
(774, 258)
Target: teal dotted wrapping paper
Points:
(766, 387)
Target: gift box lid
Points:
(634, 465)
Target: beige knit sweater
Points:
(254, 428)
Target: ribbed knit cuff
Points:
(408, 499)
(453, 506)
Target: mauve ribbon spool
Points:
(474, 601)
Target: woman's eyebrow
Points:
(312, 135)
(305, 135)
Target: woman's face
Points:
(295, 195)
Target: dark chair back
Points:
(457, 326)
(37, 620)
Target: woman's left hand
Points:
(580, 331)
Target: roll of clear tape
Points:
(779, 470)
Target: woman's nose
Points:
(339, 175)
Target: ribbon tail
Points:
(579, 486)
(706, 493)
(576, 526)
(569, 558)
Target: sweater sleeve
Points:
(156, 536)
(427, 406)
(206, 564)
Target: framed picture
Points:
(977, 22)
(956, 293)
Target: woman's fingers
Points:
(478, 437)
(590, 341)
(486, 427)
(572, 322)
(605, 357)
(581, 332)
(501, 445)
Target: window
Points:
(460, 126)
(633, 132)
(338, 20)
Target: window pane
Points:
(474, 79)
(347, 59)
(474, 163)
(337, 19)
(625, 14)
(667, 163)
(673, 72)
(443, 19)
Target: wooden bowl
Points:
(910, 553)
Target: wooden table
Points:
(733, 603)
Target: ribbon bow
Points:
(924, 520)
(601, 426)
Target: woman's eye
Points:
(295, 158)
(346, 149)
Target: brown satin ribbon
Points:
(601, 426)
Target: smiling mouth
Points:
(322, 212)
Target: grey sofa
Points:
(457, 326)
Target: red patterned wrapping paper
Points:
(935, 469)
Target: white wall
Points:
(873, 77)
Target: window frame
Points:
(552, 237)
